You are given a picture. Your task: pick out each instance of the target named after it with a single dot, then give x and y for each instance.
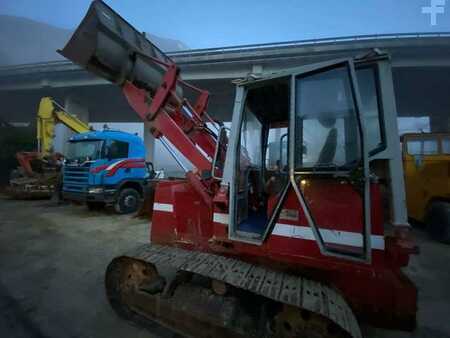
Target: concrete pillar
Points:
(149, 142)
(62, 133)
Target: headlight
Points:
(96, 190)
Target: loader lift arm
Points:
(174, 118)
(110, 47)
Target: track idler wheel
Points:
(124, 277)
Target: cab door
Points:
(329, 170)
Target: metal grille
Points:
(75, 178)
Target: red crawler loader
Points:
(293, 221)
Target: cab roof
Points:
(106, 135)
(424, 135)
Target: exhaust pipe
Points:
(107, 45)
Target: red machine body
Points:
(328, 227)
(181, 218)
(25, 159)
(193, 214)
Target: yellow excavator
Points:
(38, 171)
(426, 161)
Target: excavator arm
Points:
(50, 113)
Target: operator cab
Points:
(326, 140)
(299, 150)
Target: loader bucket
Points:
(107, 45)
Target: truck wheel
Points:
(438, 221)
(95, 206)
(128, 201)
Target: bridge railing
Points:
(52, 65)
(312, 42)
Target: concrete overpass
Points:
(421, 73)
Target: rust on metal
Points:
(306, 305)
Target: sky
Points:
(214, 23)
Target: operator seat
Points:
(328, 151)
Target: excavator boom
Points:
(50, 113)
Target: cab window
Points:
(326, 121)
(117, 149)
(368, 90)
(276, 154)
(422, 147)
(446, 145)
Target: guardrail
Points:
(51, 64)
(312, 42)
(218, 50)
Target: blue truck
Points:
(106, 168)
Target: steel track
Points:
(278, 286)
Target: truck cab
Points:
(426, 159)
(106, 168)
